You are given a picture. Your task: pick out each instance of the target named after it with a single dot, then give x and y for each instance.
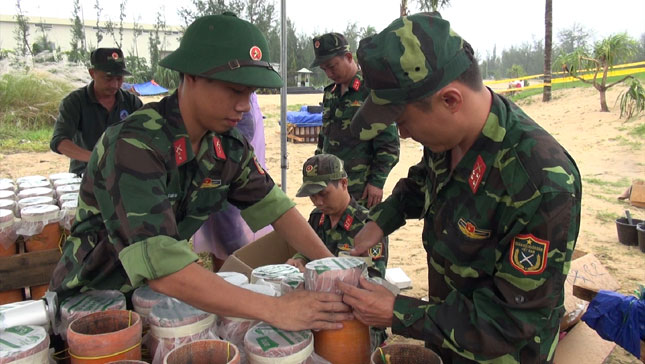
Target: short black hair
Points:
(471, 77)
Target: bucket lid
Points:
(61, 190)
(34, 184)
(7, 186)
(37, 213)
(31, 201)
(7, 204)
(234, 278)
(67, 181)
(171, 312)
(68, 197)
(6, 218)
(334, 263)
(30, 178)
(7, 195)
(32, 192)
(266, 341)
(61, 175)
(20, 339)
(273, 272)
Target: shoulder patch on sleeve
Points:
(529, 254)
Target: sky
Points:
(485, 24)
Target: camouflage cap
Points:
(318, 171)
(414, 57)
(224, 47)
(109, 60)
(328, 46)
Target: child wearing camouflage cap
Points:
(154, 179)
(500, 199)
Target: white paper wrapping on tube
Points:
(61, 175)
(267, 344)
(86, 303)
(34, 192)
(293, 282)
(35, 218)
(24, 344)
(321, 275)
(32, 201)
(7, 185)
(67, 181)
(32, 312)
(234, 278)
(7, 195)
(68, 211)
(272, 274)
(8, 205)
(20, 180)
(8, 224)
(34, 184)
(174, 323)
(64, 189)
(144, 299)
(67, 197)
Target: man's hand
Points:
(369, 236)
(373, 195)
(303, 310)
(298, 263)
(373, 304)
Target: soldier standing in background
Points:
(367, 162)
(85, 113)
(499, 196)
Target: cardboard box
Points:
(582, 344)
(269, 249)
(637, 197)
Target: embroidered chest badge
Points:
(356, 84)
(471, 231)
(477, 174)
(211, 183)
(179, 147)
(376, 252)
(529, 254)
(219, 149)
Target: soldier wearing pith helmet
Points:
(367, 163)
(500, 199)
(154, 179)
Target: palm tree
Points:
(607, 52)
(548, 48)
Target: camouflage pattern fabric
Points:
(82, 119)
(340, 238)
(365, 161)
(145, 193)
(499, 233)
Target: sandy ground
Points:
(608, 156)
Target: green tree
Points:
(78, 53)
(109, 26)
(548, 49)
(424, 5)
(154, 41)
(99, 31)
(21, 34)
(606, 53)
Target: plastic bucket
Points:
(405, 354)
(640, 231)
(102, 337)
(626, 231)
(349, 345)
(204, 352)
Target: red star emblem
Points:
(317, 44)
(256, 53)
(115, 55)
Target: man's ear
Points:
(344, 182)
(91, 72)
(451, 98)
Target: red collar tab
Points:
(179, 147)
(258, 166)
(219, 150)
(348, 222)
(333, 88)
(356, 84)
(321, 222)
(477, 174)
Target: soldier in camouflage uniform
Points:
(337, 217)
(154, 179)
(499, 196)
(367, 162)
(85, 113)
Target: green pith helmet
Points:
(224, 47)
(318, 171)
(328, 46)
(414, 57)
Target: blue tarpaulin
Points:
(304, 118)
(145, 89)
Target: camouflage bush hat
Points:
(224, 47)
(109, 60)
(328, 46)
(414, 57)
(318, 171)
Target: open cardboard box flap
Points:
(269, 249)
(582, 344)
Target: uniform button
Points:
(519, 299)
(407, 316)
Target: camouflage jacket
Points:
(145, 193)
(340, 238)
(499, 233)
(365, 161)
(82, 119)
